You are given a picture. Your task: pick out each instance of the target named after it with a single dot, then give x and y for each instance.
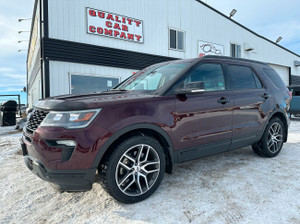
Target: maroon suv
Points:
(167, 113)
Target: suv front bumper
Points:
(62, 180)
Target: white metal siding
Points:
(34, 93)
(67, 21)
(59, 74)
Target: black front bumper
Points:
(63, 180)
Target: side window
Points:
(274, 77)
(210, 74)
(257, 81)
(242, 77)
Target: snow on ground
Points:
(232, 187)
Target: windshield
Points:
(153, 78)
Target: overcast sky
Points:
(269, 18)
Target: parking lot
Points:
(233, 187)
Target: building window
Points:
(89, 84)
(235, 50)
(176, 39)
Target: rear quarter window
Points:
(274, 77)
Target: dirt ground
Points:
(232, 187)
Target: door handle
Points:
(265, 96)
(223, 100)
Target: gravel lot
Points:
(232, 187)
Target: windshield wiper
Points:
(120, 90)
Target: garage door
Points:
(283, 72)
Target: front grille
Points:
(35, 120)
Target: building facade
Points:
(91, 45)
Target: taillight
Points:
(290, 94)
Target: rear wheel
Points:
(271, 142)
(134, 170)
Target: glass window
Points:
(235, 50)
(274, 77)
(89, 84)
(154, 78)
(176, 39)
(173, 39)
(257, 81)
(210, 74)
(180, 40)
(242, 77)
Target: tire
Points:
(134, 170)
(271, 142)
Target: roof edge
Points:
(251, 31)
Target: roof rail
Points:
(234, 59)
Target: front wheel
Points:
(134, 170)
(271, 142)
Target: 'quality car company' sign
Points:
(114, 25)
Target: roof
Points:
(234, 59)
(251, 31)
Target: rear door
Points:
(204, 120)
(250, 100)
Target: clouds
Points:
(268, 18)
(12, 63)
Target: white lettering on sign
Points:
(113, 25)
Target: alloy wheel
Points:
(275, 137)
(137, 170)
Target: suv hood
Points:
(90, 101)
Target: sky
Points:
(269, 18)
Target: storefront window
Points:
(90, 84)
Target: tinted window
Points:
(210, 74)
(257, 81)
(274, 77)
(242, 77)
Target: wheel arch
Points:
(282, 116)
(138, 129)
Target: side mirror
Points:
(192, 88)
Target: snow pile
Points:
(232, 187)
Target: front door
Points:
(204, 120)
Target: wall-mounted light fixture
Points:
(232, 13)
(22, 31)
(22, 19)
(278, 39)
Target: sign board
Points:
(113, 25)
(207, 48)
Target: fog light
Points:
(69, 143)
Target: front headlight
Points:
(70, 119)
